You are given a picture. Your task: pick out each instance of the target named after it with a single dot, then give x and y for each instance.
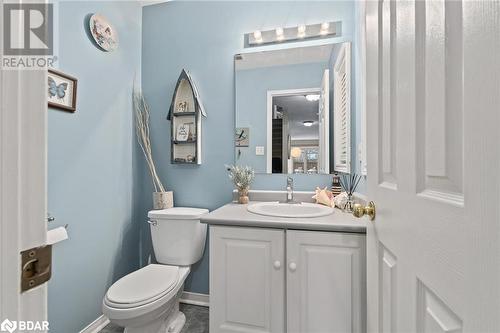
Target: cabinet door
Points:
(325, 282)
(247, 280)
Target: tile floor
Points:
(196, 320)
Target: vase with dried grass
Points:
(162, 198)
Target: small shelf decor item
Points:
(349, 184)
(103, 32)
(61, 93)
(242, 178)
(162, 198)
(185, 113)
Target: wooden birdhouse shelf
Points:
(185, 114)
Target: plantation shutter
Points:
(342, 109)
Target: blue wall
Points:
(203, 37)
(92, 165)
(251, 88)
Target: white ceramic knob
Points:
(277, 264)
(292, 266)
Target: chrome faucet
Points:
(289, 190)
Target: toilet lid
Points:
(144, 284)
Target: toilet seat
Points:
(143, 286)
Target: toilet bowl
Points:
(147, 300)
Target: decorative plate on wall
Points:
(103, 32)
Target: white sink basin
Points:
(299, 210)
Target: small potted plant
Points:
(242, 177)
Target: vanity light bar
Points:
(280, 35)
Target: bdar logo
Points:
(8, 326)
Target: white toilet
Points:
(147, 300)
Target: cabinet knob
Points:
(277, 264)
(292, 266)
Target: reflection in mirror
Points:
(295, 131)
(284, 109)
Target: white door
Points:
(325, 282)
(433, 111)
(23, 116)
(247, 282)
(324, 124)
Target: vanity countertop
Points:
(234, 214)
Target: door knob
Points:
(277, 264)
(369, 210)
(292, 266)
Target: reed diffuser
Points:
(349, 183)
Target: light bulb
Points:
(308, 123)
(280, 33)
(312, 97)
(301, 29)
(296, 152)
(257, 35)
(324, 28)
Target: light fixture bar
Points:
(301, 32)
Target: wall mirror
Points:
(293, 109)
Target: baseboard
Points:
(97, 325)
(195, 299)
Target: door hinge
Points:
(36, 266)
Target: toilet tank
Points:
(177, 234)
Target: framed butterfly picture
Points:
(61, 93)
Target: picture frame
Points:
(61, 91)
(242, 137)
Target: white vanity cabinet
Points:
(272, 280)
(325, 282)
(247, 280)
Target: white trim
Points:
(269, 117)
(361, 86)
(23, 128)
(151, 2)
(97, 325)
(195, 299)
(324, 124)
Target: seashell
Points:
(324, 197)
(340, 200)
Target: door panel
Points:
(325, 290)
(432, 119)
(388, 290)
(439, 83)
(387, 113)
(433, 315)
(246, 286)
